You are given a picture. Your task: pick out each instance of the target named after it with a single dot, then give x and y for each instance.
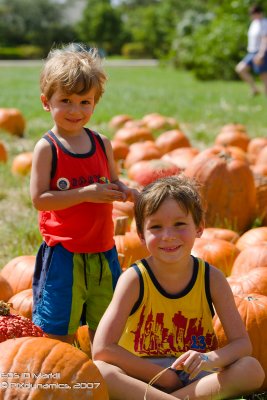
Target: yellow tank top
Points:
(166, 325)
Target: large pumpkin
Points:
(19, 272)
(227, 187)
(217, 252)
(251, 237)
(249, 258)
(49, 369)
(12, 121)
(255, 280)
(253, 311)
(133, 134)
(220, 233)
(140, 151)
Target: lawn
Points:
(201, 108)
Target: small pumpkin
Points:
(140, 151)
(120, 149)
(217, 252)
(3, 153)
(82, 340)
(172, 139)
(253, 311)
(118, 121)
(147, 171)
(133, 134)
(22, 303)
(131, 247)
(19, 272)
(12, 121)
(254, 148)
(5, 289)
(233, 137)
(61, 371)
(22, 163)
(181, 157)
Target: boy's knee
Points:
(254, 370)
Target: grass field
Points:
(201, 108)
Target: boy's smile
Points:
(70, 112)
(170, 232)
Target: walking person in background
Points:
(73, 185)
(256, 59)
(161, 312)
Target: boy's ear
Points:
(200, 229)
(45, 102)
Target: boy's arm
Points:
(130, 193)
(45, 199)
(239, 344)
(110, 329)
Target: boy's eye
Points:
(154, 227)
(65, 101)
(86, 102)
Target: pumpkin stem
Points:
(4, 308)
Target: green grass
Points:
(201, 108)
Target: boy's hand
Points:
(104, 193)
(192, 362)
(131, 194)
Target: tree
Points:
(101, 26)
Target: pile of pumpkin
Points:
(233, 177)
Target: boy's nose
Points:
(168, 233)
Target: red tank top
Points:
(86, 227)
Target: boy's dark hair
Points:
(179, 188)
(256, 9)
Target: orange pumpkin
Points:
(217, 252)
(19, 272)
(22, 303)
(227, 187)
(12, 121)
(255, 280)
(159, 122)
(62, 371)
(147, 171)
(120, 149)
(254, 148)
(249, 258)
(233, 137)
(22, 163)
(139, 151)
(253, 311)
(133, 134)
(3, 152)
(82, 340)
(171, 140)
(181, 157)
(5, 289)
(251, 237)
(118, 121)
(220, 233)
(131, 247)
(262, 156)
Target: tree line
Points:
(205, 36)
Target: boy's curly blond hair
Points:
(73, 69)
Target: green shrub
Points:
(134, 50)
(21, 53)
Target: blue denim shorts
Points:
(166, 362)
(257, 69)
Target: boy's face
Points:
(70, 112)
(170, 232)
